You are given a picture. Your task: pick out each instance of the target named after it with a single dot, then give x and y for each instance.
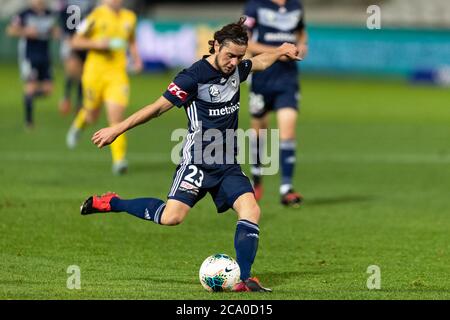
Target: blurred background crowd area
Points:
(413, 42)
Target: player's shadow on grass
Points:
(323, 201)
(168, 280)
(278, 278)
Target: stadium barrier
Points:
(421, 55)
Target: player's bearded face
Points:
(229, 56)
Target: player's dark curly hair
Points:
(235, 32)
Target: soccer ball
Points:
(219, 272)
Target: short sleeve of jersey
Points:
(85, 27)
(183, 88)
(250, 11)
(19, 19)
(244, 68)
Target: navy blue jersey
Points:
(211, 102)
(36, 50)
(67, 20)
(273, 25)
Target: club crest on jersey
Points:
(214, 93)
(234, 82)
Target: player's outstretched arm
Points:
(135, 57)
(265, 60)
(80, 42)
(16, 30)
(106, 136)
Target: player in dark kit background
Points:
(34, 26)
(209, 93)
(71, 13)
(272, 22)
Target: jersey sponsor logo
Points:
(187, 185)
(279, 37)
(177, 92)
(188, 188)
(43, 25)
(224, 111)
(283, 21)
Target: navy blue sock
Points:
(28, 102)
(39, 93)
(246, 244)
(67, 87)
(287, 161)
(257, 143)
(79, 96)
(144, 208)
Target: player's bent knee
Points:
(173, 216)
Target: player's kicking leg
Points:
(287, 120)
(246, 242)
(151, 209)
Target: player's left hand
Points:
(138, 66)
(104, 137)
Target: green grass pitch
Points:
(373, 164)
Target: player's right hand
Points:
(31, 32)
(104, 137)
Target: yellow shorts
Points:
(105, 88)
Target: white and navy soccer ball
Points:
(219, 272)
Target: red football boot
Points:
(258, 189)
(96, 204)
(250, 285)
(291, 199)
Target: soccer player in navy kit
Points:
(34, 26)
(272, 22)
(209, 93)
(71, 13)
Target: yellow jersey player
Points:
(106, 33)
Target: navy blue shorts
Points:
(225, 184)
(35, 70)
(263, 100)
